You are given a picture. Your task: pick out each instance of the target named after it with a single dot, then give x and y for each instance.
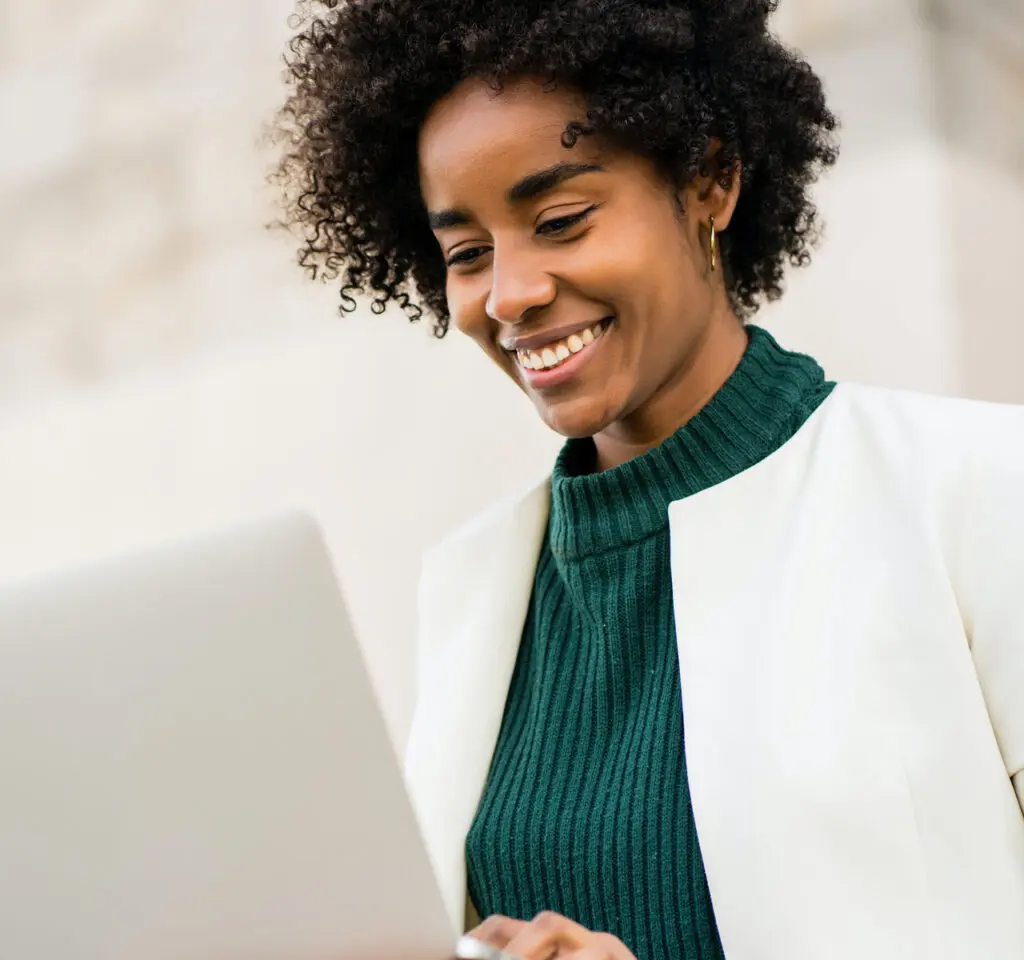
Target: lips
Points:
(544, 338)
(559, 361)
(556, 352)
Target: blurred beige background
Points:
(164, 367)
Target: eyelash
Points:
(563, 224)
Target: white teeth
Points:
(556, 353)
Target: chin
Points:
(576, 419)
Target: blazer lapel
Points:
(725, 557)
(798, 789)
(474, 598)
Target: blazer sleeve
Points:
(989, 571)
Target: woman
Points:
(743, 676)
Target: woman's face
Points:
(574, 270)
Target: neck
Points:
(712, 358)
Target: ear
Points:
(705, 196)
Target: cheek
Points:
(633, 270)
(476, 325)
(669, 290)
(468, 316)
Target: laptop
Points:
(195, 767)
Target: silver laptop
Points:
(193, 766)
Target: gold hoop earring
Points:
(714, 244)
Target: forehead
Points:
(473, 134)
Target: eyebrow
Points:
(533, 185)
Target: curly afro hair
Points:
(667, 80)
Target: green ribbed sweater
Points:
(586, 810)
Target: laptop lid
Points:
(195, 766)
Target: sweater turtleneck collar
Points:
(761, 406)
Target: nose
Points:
(519, 285)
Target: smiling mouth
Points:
(553, 355)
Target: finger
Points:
(548, 935)
(497, 930)
(469, 948)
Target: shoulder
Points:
(475, 580)
(492, 550)
(488, 525)
(959, 465)
(926, 430)
(923, 411)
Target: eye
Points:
(553, 227)
(467, 256)
(561, 224)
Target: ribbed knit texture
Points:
(586, 810)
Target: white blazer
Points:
(850, 623)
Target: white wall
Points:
(876, 304)
(915, 284)
(131, 188)
(986, 201)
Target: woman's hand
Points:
(549, 936)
